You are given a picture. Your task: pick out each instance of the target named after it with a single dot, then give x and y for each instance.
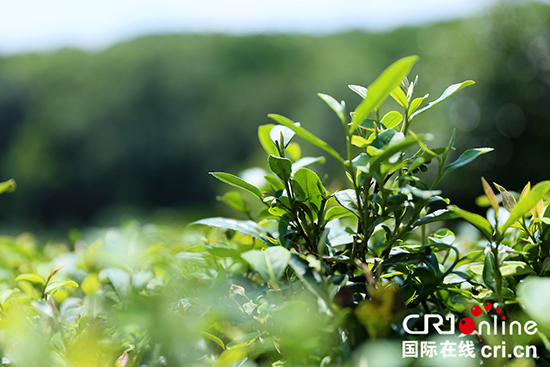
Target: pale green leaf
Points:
(446, 94)
(381, 88)
(306, 135)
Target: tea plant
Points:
(389, 262)
(389, 195)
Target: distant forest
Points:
(137, 127)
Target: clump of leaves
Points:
(366, 244)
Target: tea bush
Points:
(316, 276)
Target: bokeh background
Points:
(108, 112)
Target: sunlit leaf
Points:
(247, 227)
(392, 119)
(306, 135)
(467, 157)
(336, 106)
(526, 203)
(269, 263)
(33, 278)
(361, 91)
(265, 139)
(476, 220)
(400, 97)
(381, 88)
(446, 94)
(237, 182)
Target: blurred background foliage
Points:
(135, 128)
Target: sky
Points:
(45, 25)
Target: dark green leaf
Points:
(436, 216)
(308, 188)
(390, 151)
(237, 182)
(282, 167)
(385, 137)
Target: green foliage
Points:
(320, 274)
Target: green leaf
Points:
(7, 186)
(392, 119)
(282, 167)
(60, 284)
(5, 295)
(436, 216)
(213, 338)
(307, 161)
(265, 139)
(490, 272)
(416, 102)
(33, 278)
(446, 94)
(508, 201)
(476, 220)
(362, 91)
(336, 212)
(390, 151)
(381, 88)
(275, 183)
(306, 274)
(234, 200)
(306, 135)
(534, 295)
(308, 188)
(247, 227)
(524, 205)
(336, 106)
(513, 268)
(270, 263)
(287, 134)
(466, 158)
(348, 199)
(400, 97)
(237, 182)
(385, 137)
